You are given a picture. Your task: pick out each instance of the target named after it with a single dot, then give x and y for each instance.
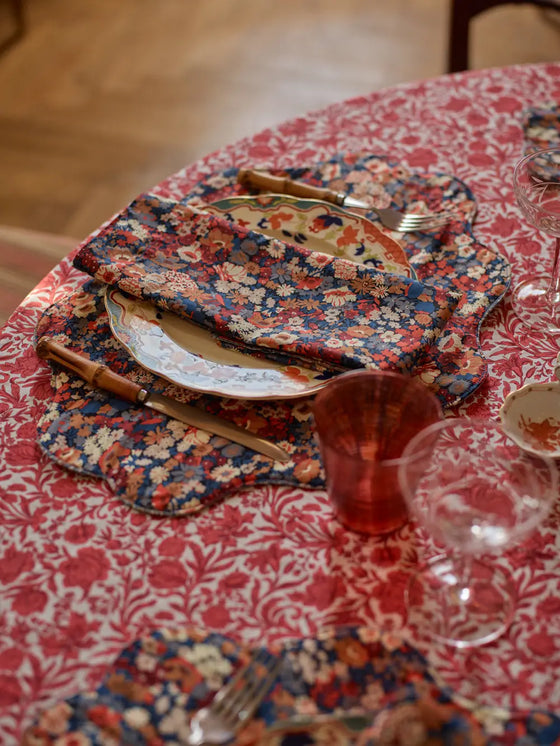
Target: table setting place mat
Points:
(541, 125)
(275, 299)
(346, 685)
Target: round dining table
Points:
(83, 574)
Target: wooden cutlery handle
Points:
(95, 373)
(282, 185)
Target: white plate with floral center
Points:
(531, 417)
(318, 226)
(185, 354)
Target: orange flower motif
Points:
(278, 218)
(183, 673)
(545, 434)
(258, 319)
(423, 318)
(361, 332)
(306, 470)
(295, 374)
(110, 460)
(155, 436)
(352, 652)
(348, 237)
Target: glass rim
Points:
(326, 441)
(364, 373)
(530, 156)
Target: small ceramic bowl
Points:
(531, 417)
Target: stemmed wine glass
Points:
(536, 182)
(475, 493)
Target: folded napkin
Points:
(265, 295)
(541, 126)
(154, 685)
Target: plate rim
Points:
(310, 389)
(337, 209)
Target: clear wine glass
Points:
(474, 493)
(536, 182)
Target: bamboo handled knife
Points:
(101, 376)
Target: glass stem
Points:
(464, 564)
(465, 569)
(553, 292)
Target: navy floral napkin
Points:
(264, 294)
(428, 327)
(347, 685)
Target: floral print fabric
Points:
(154, 463)
(378, 687)
(162, 467)
(542, 127)
(263, 293)
(451, 258)
(271, 563)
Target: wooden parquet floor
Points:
(101, 100)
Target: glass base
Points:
(441, 605)
(532, 308)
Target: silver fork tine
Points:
(411, 222)
(423, 219)
(246, 690)
(236, 702)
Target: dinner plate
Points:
(318, 226)
(188, 355)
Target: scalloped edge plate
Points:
(318, 226)
(531, 417)
(188, 355)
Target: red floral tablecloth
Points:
(82, 575)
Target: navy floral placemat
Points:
(541, 125)
(354, 684)
(160, 466)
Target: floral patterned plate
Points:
(355, 681)
(318, 226)
(531, 417)
(187, 355)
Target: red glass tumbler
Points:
(363, 420)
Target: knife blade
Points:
(264, 182)
(101, 376)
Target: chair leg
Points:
(18, 14)
(461, 14)
(458, 44)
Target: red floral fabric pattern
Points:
(270, 563)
